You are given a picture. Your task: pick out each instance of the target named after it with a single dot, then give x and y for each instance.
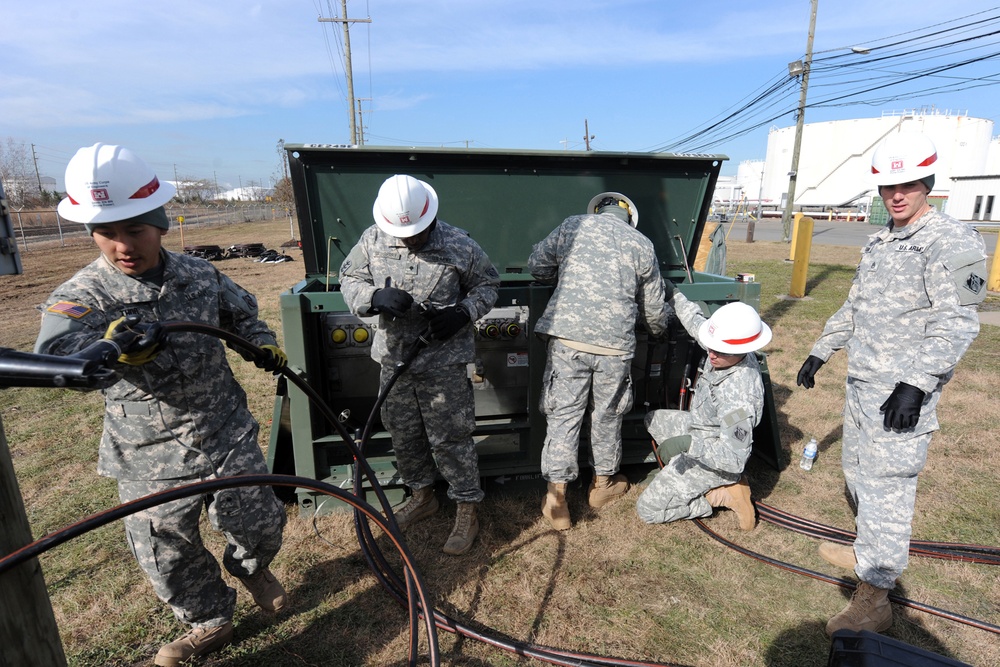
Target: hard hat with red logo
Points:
(735, 328)
(905, 157)
(404, 206)
(106, 183)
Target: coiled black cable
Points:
(418, 597)
(970, 553)
(410, 592)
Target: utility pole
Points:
(361, 121)
(797, 68)
(37, 177)
(587, 136)
(347, 62)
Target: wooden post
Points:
(28, 631)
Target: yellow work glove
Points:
(273, 360)
(139, 343)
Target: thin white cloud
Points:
(99, 66)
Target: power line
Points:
(849, 80)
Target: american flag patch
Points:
(74, 310)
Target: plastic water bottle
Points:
(808, 455)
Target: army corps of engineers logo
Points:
(100, 196)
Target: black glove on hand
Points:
(391, 300)
(273, 359)
(139, 343)
(808, 370)
(902, 408)
(668, 289)
(446, 322)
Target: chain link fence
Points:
(35, 225)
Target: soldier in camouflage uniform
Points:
(909, 317)
(606, 275)
(423, 275)
(705, 449)
(176, 414)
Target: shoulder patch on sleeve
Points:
(968, 271)
(735, 417)
(69, 309)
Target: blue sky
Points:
(207, 89)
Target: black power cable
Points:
(973, 553)
(844, 583)
(415, 581)
(410, 592)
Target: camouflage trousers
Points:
(880, 468)
(678, 490)
(167, 544)
(576, 384)
(430, 417)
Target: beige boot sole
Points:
(841, 555)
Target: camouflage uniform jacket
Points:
(159, 415)
(449, 269)
(606, 275)
(727, 404)
(910, 314)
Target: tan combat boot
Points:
(465, 530)
(422, 504)
(841, 555)
(869, 609)
(266, 590)
(554, 506)
(604, 490)
(197, 642)
(737, 498)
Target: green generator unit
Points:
(507, 201)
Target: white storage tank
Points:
(835, 156)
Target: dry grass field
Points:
(611, 586)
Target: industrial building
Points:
(835, 159)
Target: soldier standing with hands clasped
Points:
(909, 317)
(409, 257)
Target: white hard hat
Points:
(904, 157)
(622, 200)
(735, 328)
(107, 183)
(404, 206)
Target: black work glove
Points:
(391, 300)
(902, 408)
(808, 370)
(668, 289)
(139, 343)
(446, 322)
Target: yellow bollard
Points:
(993, 282)
(803, 246)
(795, 232)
